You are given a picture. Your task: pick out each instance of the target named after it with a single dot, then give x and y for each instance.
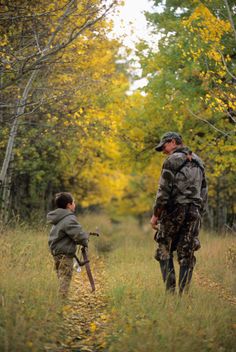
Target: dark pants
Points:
(178, 231)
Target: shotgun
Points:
(85, 262)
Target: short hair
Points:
(62, 199)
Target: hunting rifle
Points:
(84, 251)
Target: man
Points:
(180, 202)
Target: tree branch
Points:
(208, 123)
(226, 67)
(230, 18)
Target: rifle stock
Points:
(87, 267)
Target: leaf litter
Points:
(209, 284)
(85, 318)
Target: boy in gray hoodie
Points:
(66, 233)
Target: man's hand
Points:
(153, 221)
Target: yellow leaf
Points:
(93, 327)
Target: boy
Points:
(64, 236)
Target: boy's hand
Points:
(93, 234)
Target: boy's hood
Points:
(57, 215)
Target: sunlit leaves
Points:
(191, 88)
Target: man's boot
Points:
(170, 280)
(185, 276)
(168, 274)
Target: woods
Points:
(191, 89)
(72, 119)
(57, 107)
(67, 122)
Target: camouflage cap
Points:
(167, 137)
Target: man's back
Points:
(182, 180)
(188, 177)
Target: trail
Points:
(85, 320)
(211, 285)
(84, 315)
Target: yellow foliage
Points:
(93, 327)
(209, 29)
(207, 25)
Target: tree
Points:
(36, 37)
(70, 141)
(191, 89)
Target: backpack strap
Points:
(189, 159)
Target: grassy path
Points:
(129, 311)
(132, 313)
(215, 287)
(84, 314)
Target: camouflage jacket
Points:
(182, 182)
(65, 233)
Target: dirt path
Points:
(84, 316)
(211, 285)
(85, 319)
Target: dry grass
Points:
(29, 306)
(217, 259)
(143, 317)
(146, 319)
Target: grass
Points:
(217, 259)
(31, 312)
(29, 306)
(147, 319)
(143, 317)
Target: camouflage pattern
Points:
(179, 231)
(186, 185)
(64, 270)
(168, 136)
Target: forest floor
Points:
(86, 324)
(213, 286)
(84, 314)
(129, 311)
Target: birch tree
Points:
(35, 35)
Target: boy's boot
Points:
(168, 274)
(185, 276)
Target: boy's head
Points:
(65, 200)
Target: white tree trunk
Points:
(20, 111)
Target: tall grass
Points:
(29, 306)
(217, 259)
(146, 319)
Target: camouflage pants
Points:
(179, 231)
(64, 270)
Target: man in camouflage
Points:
(180, 202)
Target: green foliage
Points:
(67, 137)
(191, 90)
(80, 132)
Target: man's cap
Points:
(167, 137)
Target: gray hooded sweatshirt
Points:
(65, 233)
